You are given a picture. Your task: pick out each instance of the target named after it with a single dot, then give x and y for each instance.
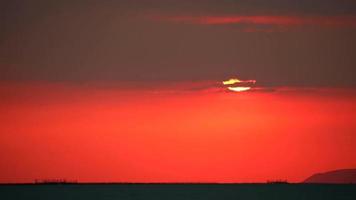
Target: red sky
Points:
(121, 132)
(286, 20)
(265, 23)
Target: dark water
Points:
(178, 191)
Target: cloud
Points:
(252, 22)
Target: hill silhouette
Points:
(342, 176)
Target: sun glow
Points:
(239, 89)
(231, 81)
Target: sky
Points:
(131, 91)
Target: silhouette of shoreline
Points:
(341, 176)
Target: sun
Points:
(239, 89)
(237, 85)
(231, 81)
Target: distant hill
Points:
(338, 176)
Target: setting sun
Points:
(231, 81)
(239, 89)
(237, 85)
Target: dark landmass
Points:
(343, 176)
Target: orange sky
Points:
(166, 134)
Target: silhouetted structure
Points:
(54, 181)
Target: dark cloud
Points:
(116, 41)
